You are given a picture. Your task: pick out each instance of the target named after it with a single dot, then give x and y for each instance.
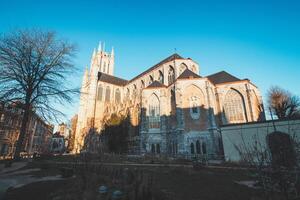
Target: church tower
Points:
(101, 61)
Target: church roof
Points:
(187, 74)
(168, 59)
(222, 77)
(111, 79)
(155, 84)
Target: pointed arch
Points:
(107, 94)
(192, 148)
(117, 96)
(234, 107)
(142, 84)
(154, 112)
(198, 147)
(171, 75)
(100, 92)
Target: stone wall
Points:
(246, 136)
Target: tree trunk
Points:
(20, 143)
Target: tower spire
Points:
(100, 47)
(112, 51)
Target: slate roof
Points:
(186, 74)
(111, 79)
(168, 59)
(155, 84)
(222, 77)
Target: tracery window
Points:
(171, 75)
(198, 148)
(100, 93)
(192, 148)
(203, 148)
(118, 96)
(107, 94)
(154, 113)
(234, 107)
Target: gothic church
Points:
(174, 109)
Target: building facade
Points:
(38, 133)
(173, 109)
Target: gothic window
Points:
(157, 148)
(161, 77)
(154, 114)
(100, 93)
(198, 148)
(150, 80)
(234, 107)
(118, 96)
(107, 94)
(171, 75)
(182, 67)
(153, 148)
(195, 107)
(203, 148)
(192, 148)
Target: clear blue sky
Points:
(251, 39)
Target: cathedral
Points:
(173, 109)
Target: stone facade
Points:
(173, 109)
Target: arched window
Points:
(157, 148)
(118, 96)
(234, 107)
(192, 148)
(171, 75)
(107, 94)
(153, 148)
(198, 148)
(182, 67)
(203, 147)
(100, 93)
(150, 79)
(154, 113)
(161, 77)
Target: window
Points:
(154, 113)
(198, 148)
(153, 148)
(142, 84)
(100, 93)
(203, 148)
(161, 77)
(234, 107)
(192, 148)
(118, 96)
(194, 107)
(171, 75)
(107, 94)
(157, 148)
(134, 91)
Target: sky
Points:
(258, 40)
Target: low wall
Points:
(245, 136)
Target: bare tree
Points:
(284, 104)
(34, 65)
